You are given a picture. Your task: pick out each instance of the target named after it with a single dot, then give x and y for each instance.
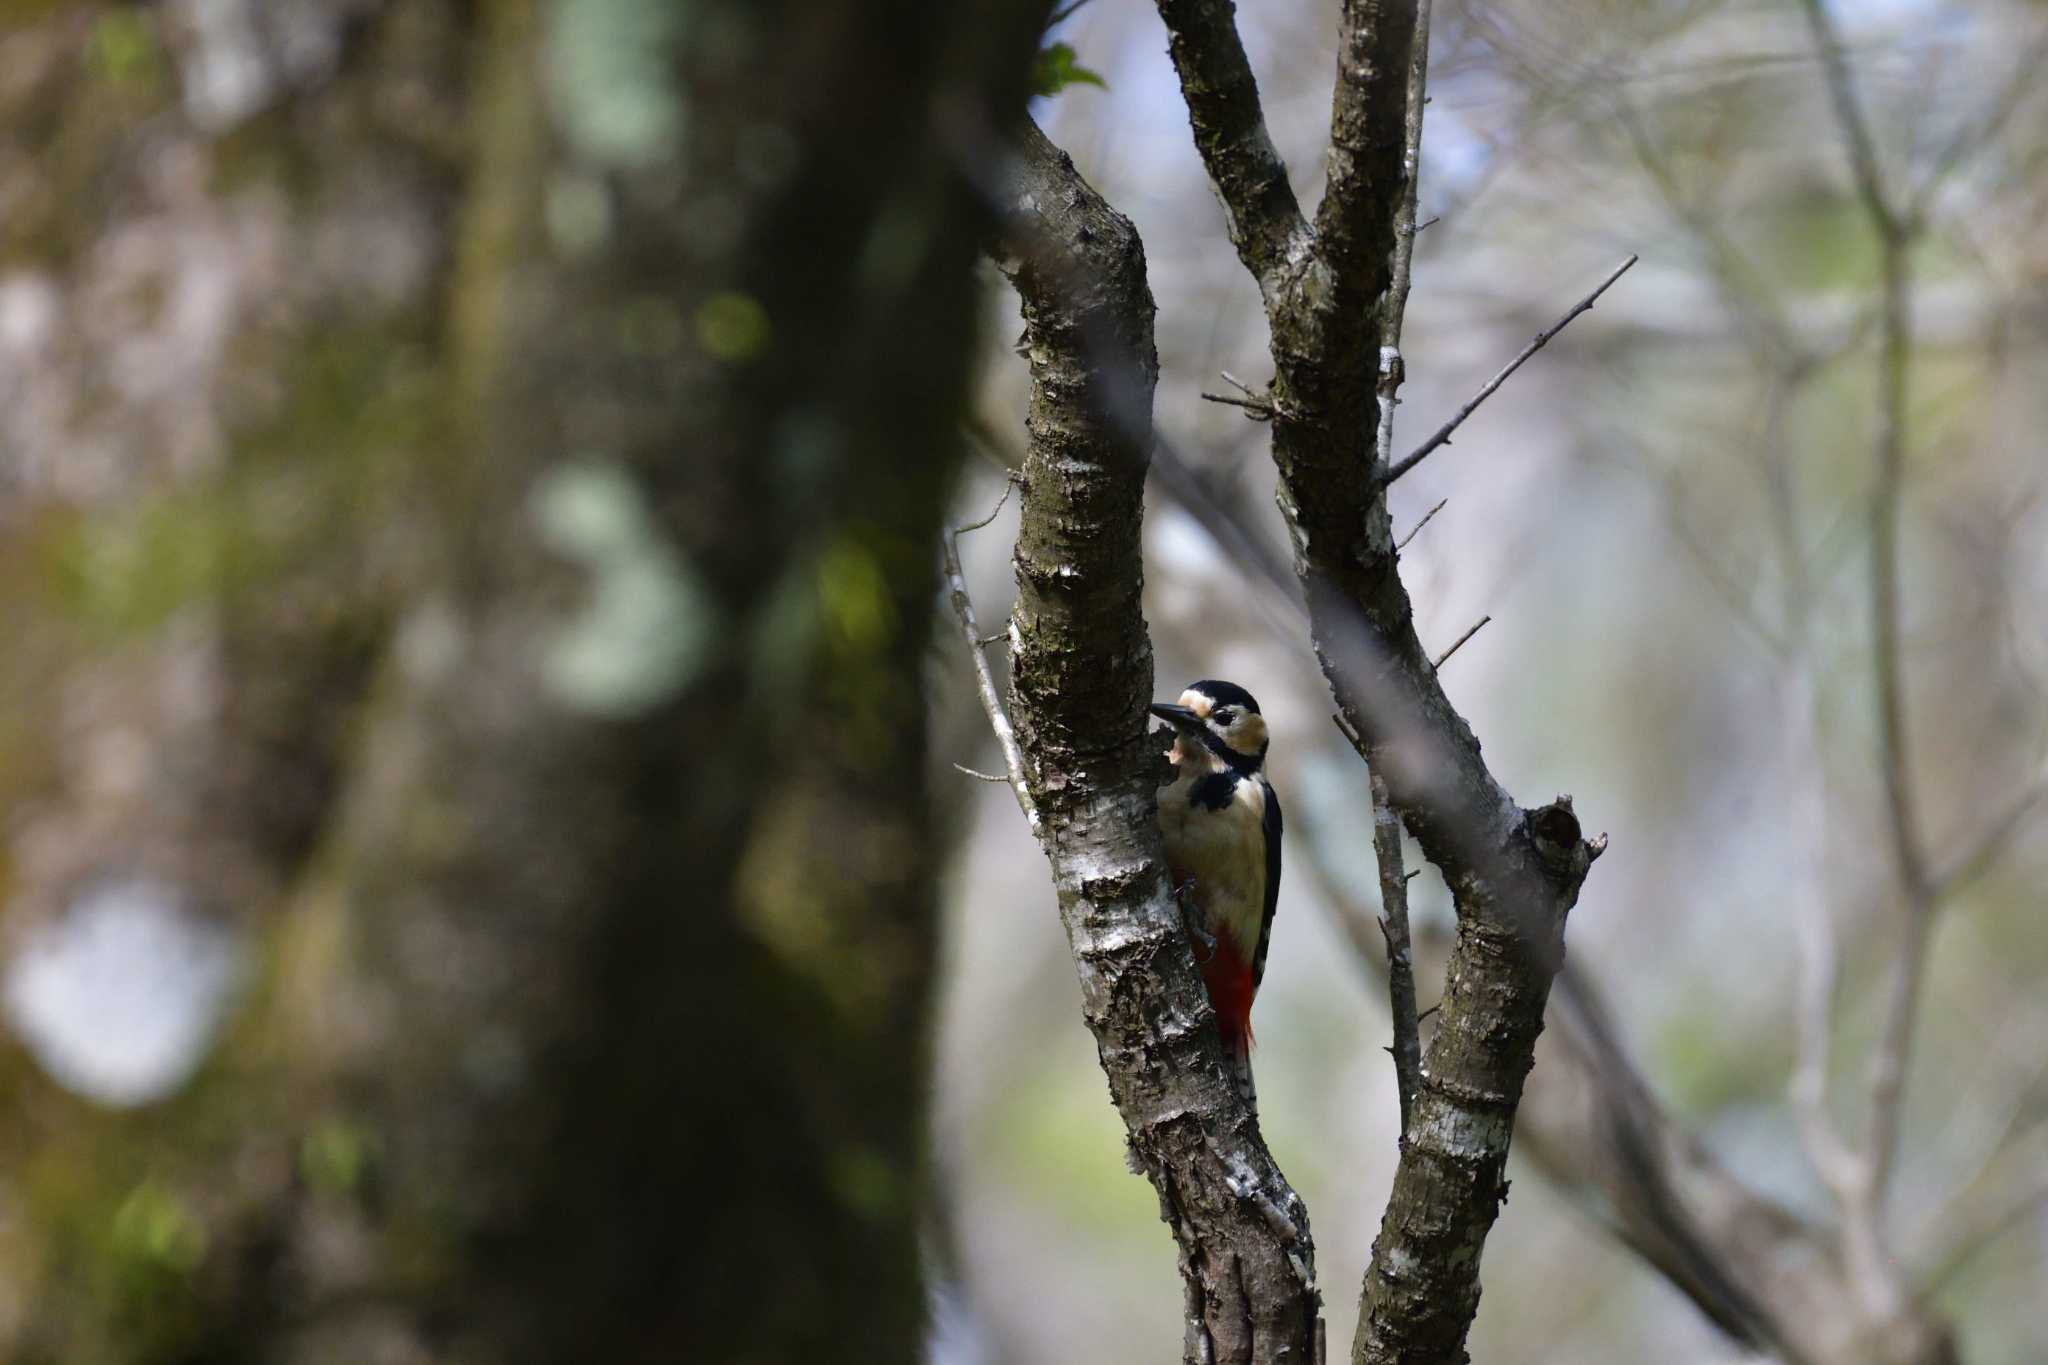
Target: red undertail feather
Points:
(1228, 974)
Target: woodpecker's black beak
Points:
(1179, 717)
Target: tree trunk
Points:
(470, 474)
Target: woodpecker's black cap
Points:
(1226, 694)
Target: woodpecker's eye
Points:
(1224, 715)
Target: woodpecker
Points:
(1222, 826)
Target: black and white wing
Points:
(1273, 828)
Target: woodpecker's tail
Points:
(1233, 981)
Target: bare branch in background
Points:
(1748, 296)
(1965, 146)
(1543, 338)
(984, 680)
(1971, 864)
(1863, 1192)
(2012, 1190)
(1849, 120)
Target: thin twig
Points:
(1849, 120)
(1971, 865)
(1968, 142)
(1393, 369)
(1837, 1165)
(1443, 434)
(987, 443)
(1991, 1219)
(984, 678)
(1009, 486)
(1402, 543)
(1256, 409)
(1407, 1048)
(979, 775)
(1457, 644)
(1748, 296)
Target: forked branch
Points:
(1513, 873)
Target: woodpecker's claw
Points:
(1205, 942)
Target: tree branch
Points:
(2013, 1188)
(1216, 80)
(1382, 56)
(1081, 679)
(1864, 1235)
(1406, 1047)
(1966, 144)
(984, 681)
(1980, 855)
(1591, 1123)
(1513, 873)
(1416, 530)
(1443, 433)
(1440, 660)
(1849, 120)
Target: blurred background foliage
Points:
(467, 868)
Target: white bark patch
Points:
(1466, 1132)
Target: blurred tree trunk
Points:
(468, 475)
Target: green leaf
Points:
(1054, 69)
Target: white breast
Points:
(1223, 852)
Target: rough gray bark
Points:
(1513, 872)
(1081, 677)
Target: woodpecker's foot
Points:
(1190, 920)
